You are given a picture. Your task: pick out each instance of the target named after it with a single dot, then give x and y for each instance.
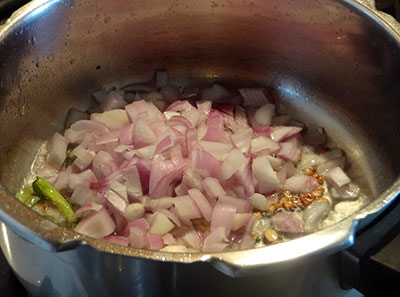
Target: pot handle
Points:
(372, 264)
(319, 244)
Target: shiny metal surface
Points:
(336, 63)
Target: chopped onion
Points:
(258, 201)
(186, 207)
(96, 224)
(264, 114)
(314, 214)
(242, 139)
(161, 224)
(287, 223)
(223, 216)
(56, 148)
(216, 241)
(134, 211)
(202, 203)
(265, 145)
(265, 175)
(233, 162)
(301, 184)
(212, 187)
(281, 133)
(337, 177)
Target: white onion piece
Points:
(80, 129)
(116, 201)
(132, 182)
(155, 242)
(241, 205)
(107, 138)
(222, 216)
(287, 223)
(215, 127)
(259, 201)
(233, 162)
(264, 114)
(204, 106)
(193, 116)
(192, 239)
(134, 211)
(281, 133)
(337, 177)
(301, 184)
(289, 152)
(181, 190)
(142, 109)
(276, 163)
(146, 152)
(173, 217)
(325, 166)
(48, 173)
(192, 179)
(314, 214)
(212, 187)
(161, 224)
(113, 119)
(170, 114)
(202, 203)
(242, 139)
(245, 178)
(180, 106)
(348, 192)
(163, 173)
(186, 207)
(310, 160)
(56, 148)
(84, 178)
(169, 239)
(240, 219)
(142, 134)
(215, 241)
(248, 239)
(265, 175)
(138, 238)
(83, 194)
(87, 208)
(103, 164)
(97, 224)
(218, 150)
(118, 188)
(203, 160)
(138, 223)
(62, 180)
(265, 145)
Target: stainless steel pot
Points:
(336, 63)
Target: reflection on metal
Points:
(6, 241)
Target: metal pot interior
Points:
(329, 63)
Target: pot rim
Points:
(38, 230)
